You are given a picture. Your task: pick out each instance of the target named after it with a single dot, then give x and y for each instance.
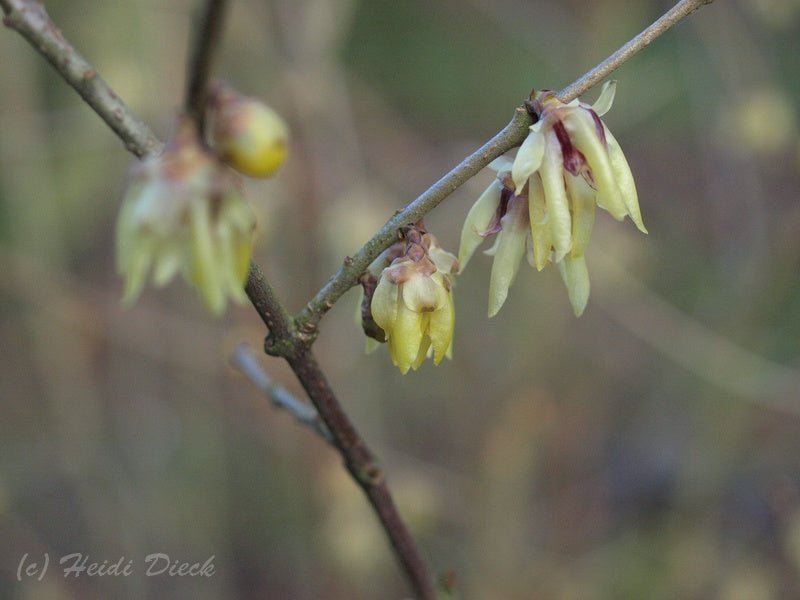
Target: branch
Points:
(32, 22)
(594, 76)
(205, 44)
(511, 136)
(246, 362)
(284, 341)
(362, 466)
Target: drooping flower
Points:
(184, 211)
(413, 301)
(246, 133)
(544, 204)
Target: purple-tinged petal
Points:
(581, 128)
(510, 249)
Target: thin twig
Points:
(244, 359)
(31, 21)
(594, 76)
(206, 40)
(363, 467)
(512, 135)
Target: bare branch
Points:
(246, 362)
(205, 44)
(284, 341)
(363, 467)
(30, 19)
(594, 76)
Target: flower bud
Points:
(246, 133)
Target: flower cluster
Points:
(543, 205)
(413, 301)
(185, 211)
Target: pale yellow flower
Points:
(413, 302)
(543, 205)
(184, 212)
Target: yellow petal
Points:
(555, 195)
(440, 329)
(477, 222)
(167, 263)
(205, 272)
(424, 348)
(576, 278)
(384, 305)
(509, 253)
(528, 160)
(406, 338)
(136, 268)
(541, 234)
(624, 178)
(229, 263)
(582, 202)
(444, 261)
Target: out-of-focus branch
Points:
(206, 40)
(30, 19)
(244, 359)
(511, 136)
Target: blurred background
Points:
(649, 449)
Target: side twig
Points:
(244, 360)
